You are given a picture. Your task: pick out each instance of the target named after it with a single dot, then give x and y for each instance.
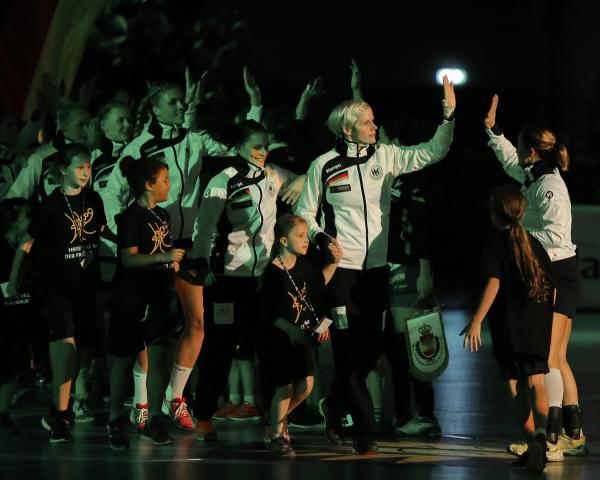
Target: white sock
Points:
(554, 387)
(235, 398)
(140, 392)
(81, 391)
(179, 377)
(251, 399)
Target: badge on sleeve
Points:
(549, 194)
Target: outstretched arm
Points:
(472, 331)
(449, 101)
(254, 95)
(313, 90)
(355, 83)
(194, 95)
(504, 150)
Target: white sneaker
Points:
(419, 426)
(517, 449)
(554, 453)
(571, 447)
(82, 411)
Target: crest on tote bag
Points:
(426, 344)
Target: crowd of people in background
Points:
(182, 263)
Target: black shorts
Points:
(284, 363)
(234, 301)
(140, 321)
(70, 314)
(567, 281)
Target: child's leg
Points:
(157, 378)
(234, 383)
(280, 407)
(120, 368)
(538, 399)
(246, 368)
(519, 402)
(301, 390)
(375, 390)
(140, 378)
(63, 358)
(82, 372)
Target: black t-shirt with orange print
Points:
(279, 298)
(66, 231)
(148, 230)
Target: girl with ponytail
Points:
(517, 299)
(537, 163)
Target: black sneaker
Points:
(60, 432)
(117, 434)
(368, 448)
(156, 431)
(280, 448)
(332, 432)
(7, 427)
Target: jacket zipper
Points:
(362, 191)
(257, 231)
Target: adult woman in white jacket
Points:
(350, 188)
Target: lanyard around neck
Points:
(302, 297)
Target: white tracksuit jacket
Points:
(350, 187)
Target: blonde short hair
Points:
(345, 115)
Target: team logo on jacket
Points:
(549, 194)
(376, 172)
(270, 187)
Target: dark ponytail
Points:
(508, 203)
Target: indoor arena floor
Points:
(470, 405)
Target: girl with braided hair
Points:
(517, 299)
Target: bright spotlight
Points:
(458, 76)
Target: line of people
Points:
(222, 245)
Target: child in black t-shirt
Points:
(288, 290)
(141, 321)
(15, 310)
(63, 239)
(519, 297)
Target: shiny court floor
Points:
(469, 404)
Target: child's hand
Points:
(472, 334)
(335, 251)
(176, 255)
(323, 336)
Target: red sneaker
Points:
(246, 411)
(177, 410)
(225, 411)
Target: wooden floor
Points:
(469, 405)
